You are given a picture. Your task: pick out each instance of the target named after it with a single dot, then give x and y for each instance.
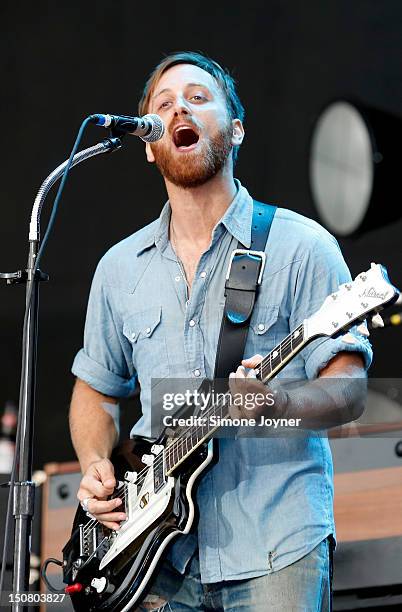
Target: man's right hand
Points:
(98, 483)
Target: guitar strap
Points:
(244, 276)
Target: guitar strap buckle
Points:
(244, 276)
(260, 254)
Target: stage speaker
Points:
(368, 511)
(58, 510)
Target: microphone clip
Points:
(22, 276)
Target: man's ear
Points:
(237, 132)
(149, 153)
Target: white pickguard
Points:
(143, 507)
(187, 528)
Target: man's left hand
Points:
(251, 398)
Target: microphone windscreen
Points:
(157, 129)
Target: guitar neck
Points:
(210, 419)
(281, 354)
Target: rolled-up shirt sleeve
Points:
(321, 272)
(105, 361)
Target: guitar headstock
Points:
(368, 293)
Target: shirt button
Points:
(261, 326)
(148, 330)
(177, 278)
(197, 372)
(203, 274)
(192, 323)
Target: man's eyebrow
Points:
(160, 92)
(187, 85)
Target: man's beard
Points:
(197, 167)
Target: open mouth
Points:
(184, 137)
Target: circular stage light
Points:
(353, 167)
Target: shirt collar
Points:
(160, 236)
(237, 218)
(237, 221)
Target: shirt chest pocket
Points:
(145, 332)
(266, 330)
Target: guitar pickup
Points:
(84, 551)
(89, 539)
(159, 472)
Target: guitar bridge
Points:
(92, 542)
(84, 545)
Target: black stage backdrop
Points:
(62, 61)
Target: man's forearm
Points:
(338, 396)
(92, 426)
(326, 402)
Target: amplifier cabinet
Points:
(58, 510)
(368, 519)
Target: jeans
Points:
(303, 586)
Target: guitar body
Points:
(110, 570)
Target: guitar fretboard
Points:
(182, 447)
(281, 354)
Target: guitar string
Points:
(170, 450)
(168, 454)
(177, 445)
(263, 364)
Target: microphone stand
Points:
(23, 489)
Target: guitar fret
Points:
(281, 352)
(293, 343)
(286, 350)
(183, 446)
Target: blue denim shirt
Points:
(268, 501)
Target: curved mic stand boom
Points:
(22, 489)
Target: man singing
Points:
(266, 520)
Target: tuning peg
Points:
(349, 338)
(362, 329)
(376, 321)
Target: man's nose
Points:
(181, 107)
(182, 111)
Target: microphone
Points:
(149, 127)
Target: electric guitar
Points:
(109, 570)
